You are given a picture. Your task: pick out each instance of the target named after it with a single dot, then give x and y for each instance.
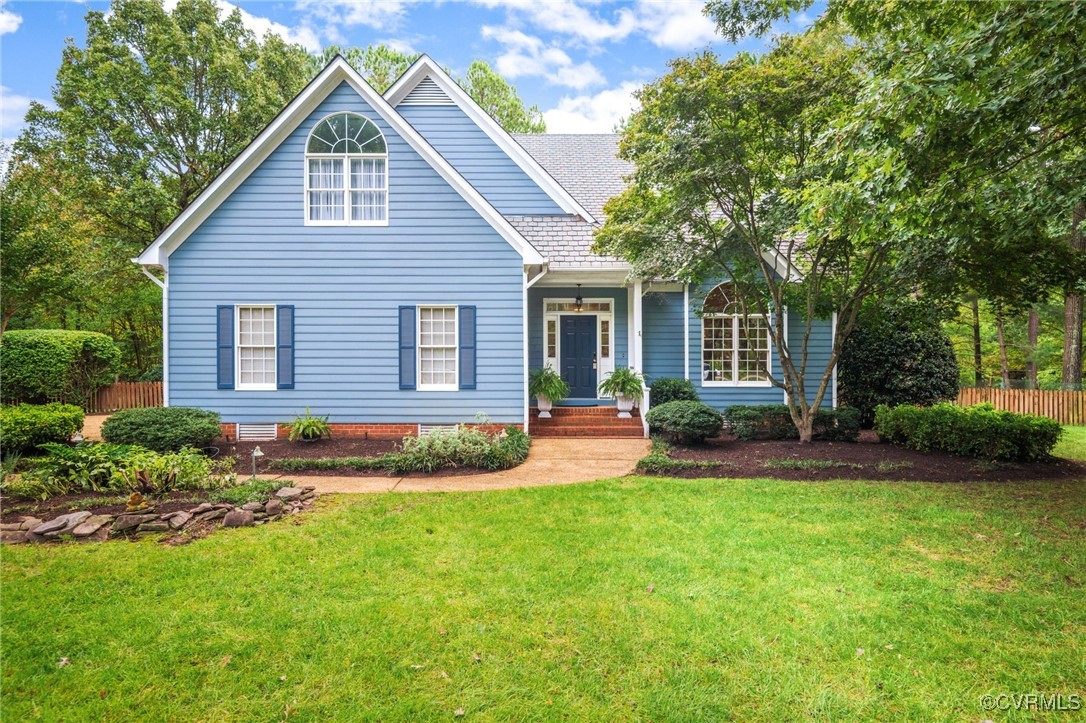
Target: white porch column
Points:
(637, 357)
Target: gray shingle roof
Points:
(588, 167)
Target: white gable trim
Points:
(283, 125)
(424, 68)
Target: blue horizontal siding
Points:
(479, 159)
(346, 284)
(662, 334)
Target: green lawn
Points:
(1072, 444)
(623, 599)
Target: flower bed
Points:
(867, 459)
(180, 517)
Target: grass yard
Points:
(617, 600)
(1073, 443)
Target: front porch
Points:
(585, 421)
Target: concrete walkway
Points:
(550, 462)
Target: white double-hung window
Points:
(346, 173)
(734, 345)
(438, 343)
(256, 347)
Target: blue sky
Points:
(578, 60)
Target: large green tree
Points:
(969, 132)
(721, 153)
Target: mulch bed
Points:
(14, 510)
(322, 449)
(747, 459)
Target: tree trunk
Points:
(806, 427)
(1004, 369)
(1033, 330)
(978, 372)
(1072, 312)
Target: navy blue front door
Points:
(578, 361)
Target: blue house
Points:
(399, 261)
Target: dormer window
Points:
(346, 179)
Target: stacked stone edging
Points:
(83, 526)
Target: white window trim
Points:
(238, 385)
(346, 158)
(604, 365)
(735, 355)
(455, 386)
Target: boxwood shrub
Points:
(162, 429)
(980, 431)
(773, 421)
(671, 389)
(51, 365)
(685, 421)
(24, 426)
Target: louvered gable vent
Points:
(427, 92)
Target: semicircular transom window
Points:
(734, 345)
(346, 172)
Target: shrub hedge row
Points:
(774, 422)
(163, 429)
(980, 431)
(24, 426)
(50, 365)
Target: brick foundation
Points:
(361, 430)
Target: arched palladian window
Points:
(734, 346)
(346, 179)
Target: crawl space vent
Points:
(425, 429)
(257, 432)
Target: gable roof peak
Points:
(425, 67)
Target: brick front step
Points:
(600, 422)
(585, 431)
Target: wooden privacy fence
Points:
(126, 395)
(1064, 406)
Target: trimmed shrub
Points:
(981, 431)
(50, 365)
(672, 389)
(685, 421)
(25, 426)
(163, 429)
(773, 421)
(900, 356)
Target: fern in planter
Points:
(623, 382)
(626, 386)
(548, 387)
(308, 428)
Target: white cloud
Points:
(672, 24)
(13, 109)
(528, 56)
(675, 25)
(598, 113)
(9, 21)
(260, 26)
(334, 14)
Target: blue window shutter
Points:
(408, 315)
(224, 343)
(284, 351)
(467, 347)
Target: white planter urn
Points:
(625, 406)
(544, 405)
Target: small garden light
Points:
(256, 453)
(77, 438)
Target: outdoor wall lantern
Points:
(578, 303)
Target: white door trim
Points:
(605, 365)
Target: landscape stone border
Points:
(83, 526)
